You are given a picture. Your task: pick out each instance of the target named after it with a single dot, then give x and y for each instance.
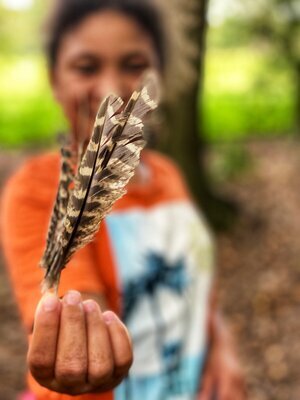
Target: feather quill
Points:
(106, 167)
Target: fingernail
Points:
(109, 317)
(49, 302)
(72, 298)
(89, 306)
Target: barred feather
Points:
(109, 162)
(61, 203)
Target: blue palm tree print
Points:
(159, 273)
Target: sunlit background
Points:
(17, 5)
(249, 84)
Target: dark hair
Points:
(68, 13)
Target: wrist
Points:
(220, 333)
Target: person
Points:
(150, 265)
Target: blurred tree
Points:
(184, 140)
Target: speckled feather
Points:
(109, 162)
(61, 203)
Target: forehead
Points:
(106, 33)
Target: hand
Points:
(223, 378)
(75, 349)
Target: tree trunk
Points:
(185, 137)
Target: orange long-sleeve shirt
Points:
(27, 203)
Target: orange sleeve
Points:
(26, 206)
(25, 212)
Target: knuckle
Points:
(39, 365)
(101, 372)
(123, 364)
(73, 316)
(70, 373)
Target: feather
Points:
(106, 167)
(61, 202)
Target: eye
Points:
(86, 69)
(135, 67)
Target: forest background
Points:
(249, 82)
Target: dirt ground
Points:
(258, 273)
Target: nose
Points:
(108, 82)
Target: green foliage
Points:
(231, 34)
(230, 162)
(246, 96)
(273, 27)
(29, 124)
(29, 117)
(247, 91)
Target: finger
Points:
(231, 387)
(120, 343)
(42, 350)
(71, 360)
(226, 390)
(207, 389)
(234, 394)
(100, 357)
(239, 392)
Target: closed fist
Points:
(77, 349)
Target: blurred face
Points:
(106, 53)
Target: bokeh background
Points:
(248, 126)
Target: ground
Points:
(258, 270)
